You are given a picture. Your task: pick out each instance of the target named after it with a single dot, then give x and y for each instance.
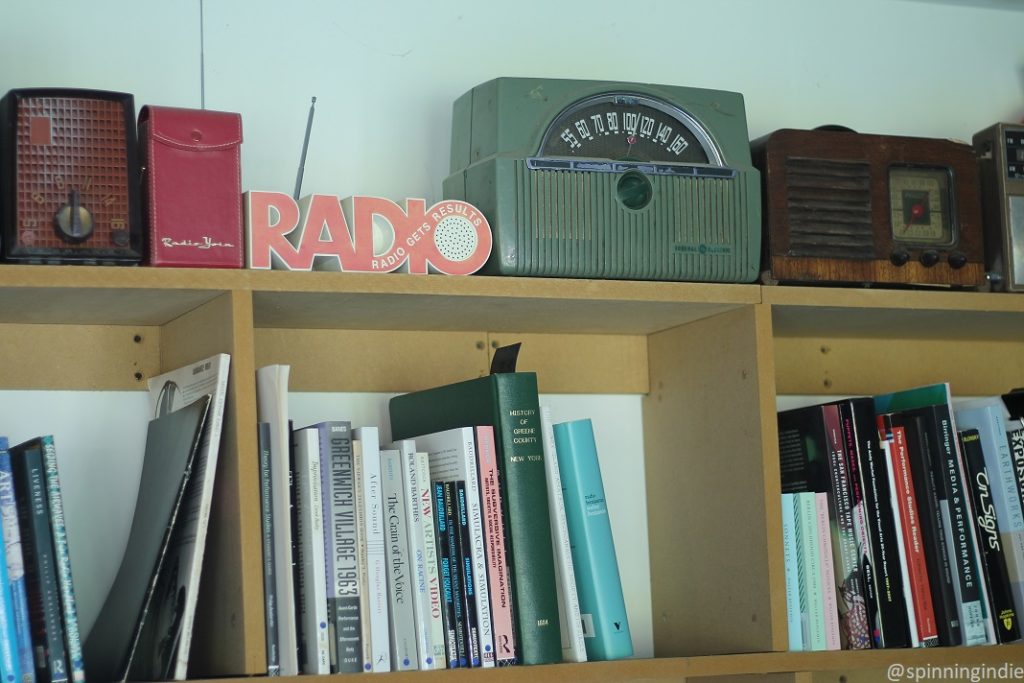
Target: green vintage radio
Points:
(598, 179)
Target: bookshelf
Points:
(710, 361)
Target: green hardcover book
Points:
(508, 402)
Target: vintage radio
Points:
(845, 207)
(609, 180)
(1000, 150)
(70, 190)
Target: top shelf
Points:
(99, 295)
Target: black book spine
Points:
(40, 563)
(293, 500)
(927, 490)
(1004, 613)
(267, 527)
(466, 565)
(972, 600)
(890, 627)
(452, 543)
(444, 566)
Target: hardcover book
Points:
(168, 392)
(172, 442)
(15, 567)
(508, 402)
(603, 609)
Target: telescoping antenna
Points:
(305, 148)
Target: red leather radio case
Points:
(191, 186)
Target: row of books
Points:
(143, 630)
(454, 544)
(902, 520)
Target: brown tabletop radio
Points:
(846, 207)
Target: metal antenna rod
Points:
(305, 148)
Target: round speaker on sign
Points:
(456, 238)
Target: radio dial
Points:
(73, 221)
(900, 258)
(929, 258)
(957, 260)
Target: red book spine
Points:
(920, 588)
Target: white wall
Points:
(385, 73)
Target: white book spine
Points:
(272, 408)
(376, 561)
(901, 551)
(401, 592)
(574, 648)
(312, 568)
(417, 553)
(426, 501)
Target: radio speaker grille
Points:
(829, 208)
(693, 228)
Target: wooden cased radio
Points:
(845, 207)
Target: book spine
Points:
(833, 638)
(928, 489)
(882, 567)
(598, 582)
(368, 455)
(964, 556)
(427, 516)
(524, 495)
(362, 566)
(792, 573)
(502, 617)
(917, 564)
(452, 540)
(10, 661)
(444, 570)
(469, 594)
(312, 563)
(847, 570)
(988, 418)
(62, 557)
(417, 554)
(807, 521)
(40, 567)
(401, 592)
(1015, 438)
(15, 566)
(1004, 613)
(342, 533)
(267, 528)
(574, 648)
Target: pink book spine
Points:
(828, 581)
(494, 543)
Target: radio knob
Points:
(73, 221)
(929, 258)
(957, 260)
(900, 258)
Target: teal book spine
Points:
(807, 535)
(789, 547)
(602, 607)
(10, 664)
